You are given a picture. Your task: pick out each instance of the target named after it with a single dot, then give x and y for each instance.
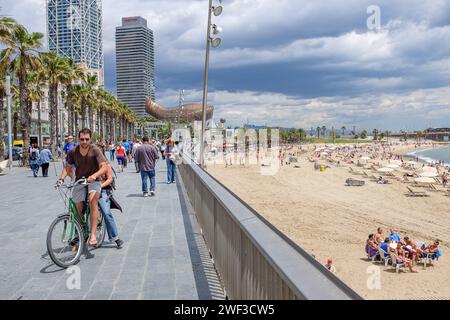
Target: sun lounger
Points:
(354, 182)
(412, 193)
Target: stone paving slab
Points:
(163, 256)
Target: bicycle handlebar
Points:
(71, 185)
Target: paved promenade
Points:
(163, 257)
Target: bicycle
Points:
(63, 237)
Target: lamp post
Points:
(214, 43)
(8, 100)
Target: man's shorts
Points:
(79, 191)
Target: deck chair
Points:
(371, 252)
(429, 259)
(385, 257)
(396, 263)
(365, 174)
(412, 193)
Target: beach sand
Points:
(328, 219)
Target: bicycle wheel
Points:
(64, 244)
(101, 228)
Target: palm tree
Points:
(6, 27)
(343, 129)
(21, 55)
(75, 73)
(324, 130)
(375, 134)
(56, 70)
(36, 94)
(318, 132)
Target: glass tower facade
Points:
(74, 29)
(135, 64)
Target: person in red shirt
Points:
(120, 155)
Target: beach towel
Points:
(371, 251)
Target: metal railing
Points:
(254, 259)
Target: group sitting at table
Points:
(406, 251)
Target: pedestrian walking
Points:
(136, 145)
(66, 149)
(34, 157)
(121, 156)
(146, 156)
(171, 154)
(126, 145)
(45, 157)
(112, 150)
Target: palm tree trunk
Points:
(24, 114)
(76, 123)
(15, 126)
(39, 124)
(52, 115)
(69, 107)
(83, 115)
(112, 128)
(91, 118)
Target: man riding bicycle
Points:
(91, 163)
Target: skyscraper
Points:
(135, 64)
(74, 30)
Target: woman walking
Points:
(112, 150)
(120, 154)
(44, 161)
(171, 154)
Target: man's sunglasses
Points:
(85, 139)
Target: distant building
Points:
(135, 64)
(438, 134)
(74, 29)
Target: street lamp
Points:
(214, 43)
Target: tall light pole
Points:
(214, 43)
(8, 100)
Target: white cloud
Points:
(409, 110)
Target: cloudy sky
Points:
(302, 63)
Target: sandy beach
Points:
(329, 219)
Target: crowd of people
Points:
(405, 251)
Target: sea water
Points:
(433, 155)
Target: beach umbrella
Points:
(364, 158)
(385, 169)
(395, 162)
(429, 169)
(428, 174)
(425, 180)
(323, 153)
(411, 162)
(393, 166)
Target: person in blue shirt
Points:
(66, 149)
(45, 157)
(394, 237)
(126, 145)
(385, 246)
